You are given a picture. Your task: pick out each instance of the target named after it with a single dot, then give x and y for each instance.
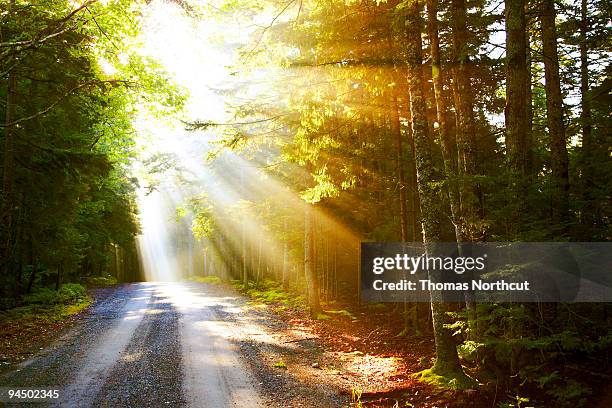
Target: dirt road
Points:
(147, 345)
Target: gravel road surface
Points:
(146, 345)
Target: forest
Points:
(265, 152)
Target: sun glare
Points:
(197, 53)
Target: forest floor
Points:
(352, 350)
(26, 330)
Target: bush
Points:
(72, 293)
(42, 296)
(106, 280)
(7, 303)
(69, 293)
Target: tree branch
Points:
(60, 27)
(60, 99)
(191, 126)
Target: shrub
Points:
(68, 293)
(105, 280)
(42, 296)
(72, 293)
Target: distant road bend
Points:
(147, 345)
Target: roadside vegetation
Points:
(37, 318)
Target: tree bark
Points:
(528, 165)
(554, 113)
(466, 131)
(413, 198)
(585, 114)
(517, 83)
(447, 360)
(585, 118)
(401, 179)
(446, 144)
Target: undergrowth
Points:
(212, 279)
(48, 305)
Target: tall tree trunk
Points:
(466, 130)
(413, 199)
(310, 270)
(528, 165)
(259, 269)
(585, 117)
(470, 210)
(243, 244)
(285, 271)
(554, 113)
(517, 83)
(401, 179)
(447, 361)
(450, 165)
(409, 318)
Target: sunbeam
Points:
(179, 180)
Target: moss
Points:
(453, 380)
(342, 312)
(322, 316)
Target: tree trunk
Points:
(447, 361)
(259, 270)
(413, 199)
(285, 271)
(32, 276)
(554, 113)
(528, 165)
(517, 83)
(585, 118)
(450, 166)
(310, 270)
(585, 115)
(243, 246)
(466, 130)
(58, 276)
(397, 130)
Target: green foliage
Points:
(72, 293)
(512, 337)
(79, 84)
(215, 280)
(280, 364)
(342, 312)
(69, 293)
(106, 280)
